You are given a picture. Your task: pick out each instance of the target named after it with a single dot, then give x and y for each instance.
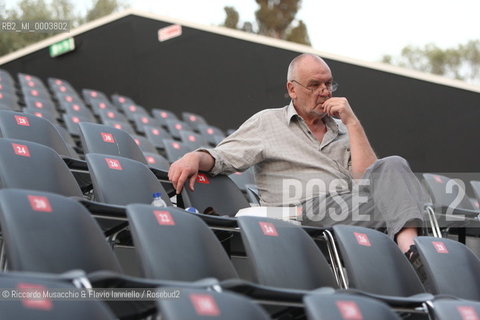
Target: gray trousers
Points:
(388, 197)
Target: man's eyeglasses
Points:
(331, 86)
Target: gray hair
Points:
(293, 64)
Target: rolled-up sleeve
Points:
(239, 151)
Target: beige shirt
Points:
(290, 164)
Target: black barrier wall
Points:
(227, 79)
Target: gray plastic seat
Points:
(346, 306)
(200, 304)
(374, 263)
(29, 165)
(444, 309)
(163, 115)
(193, 119)
(175, 245)
(284, 255)
(98, 138)
(121, 181)
(46, 232)
(174, 149)
(28, 127)
(193, 140)
(156, 135)
(450, 267)
(46, 308)
(217, 194)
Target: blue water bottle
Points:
(157, 200)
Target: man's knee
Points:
(393, 162)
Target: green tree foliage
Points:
(40, 10)
(274, 18)
(232, 18)
(461, 62)
(102, 8)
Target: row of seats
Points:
(27, 165)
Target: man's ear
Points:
(291, 90)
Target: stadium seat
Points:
(131, 110)
(81, 111)
(193, 120)
(142, 120)
(216, 194)
(243, 179)
(99, 105)
(24, 126)
(121, 181)
(144, 144)
(284, 255)
(29, 165)
(121, 125)
(90, 95)
(176, 245)
(193, 140)
(5, 76)
(46, 232)
(66, 100)
(41, 105)
(42, 114)
(60, 85)
(369, 255)
(174, 127)
(156, 135)
(98, 138)
(163, 115)
(448, 309)
(212, 134)
(200, 304)
(451, 206)
(157, 161)
(174, 150)
(47, 308)
(120, 100)
(71, 123)
(52, 234)
(340, 306)
(111, 115)
(450, 267)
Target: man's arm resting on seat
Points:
(187, 167)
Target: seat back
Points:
(374, 263)
(163, 115)
(242, 179)
(446, 192)
(121, 181)
(174, 149)
(98, 138)
(451, 267)
(476, 189)
(157, 161)
(193, 119)
(47, 308)
(25, 126)
(284, 255)
(29, 165)
(444, 309)
(176, 245)
(345, 306)
(174, 127)
(200, 304)
(45, 232)
(193, 140)
(219, 193)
